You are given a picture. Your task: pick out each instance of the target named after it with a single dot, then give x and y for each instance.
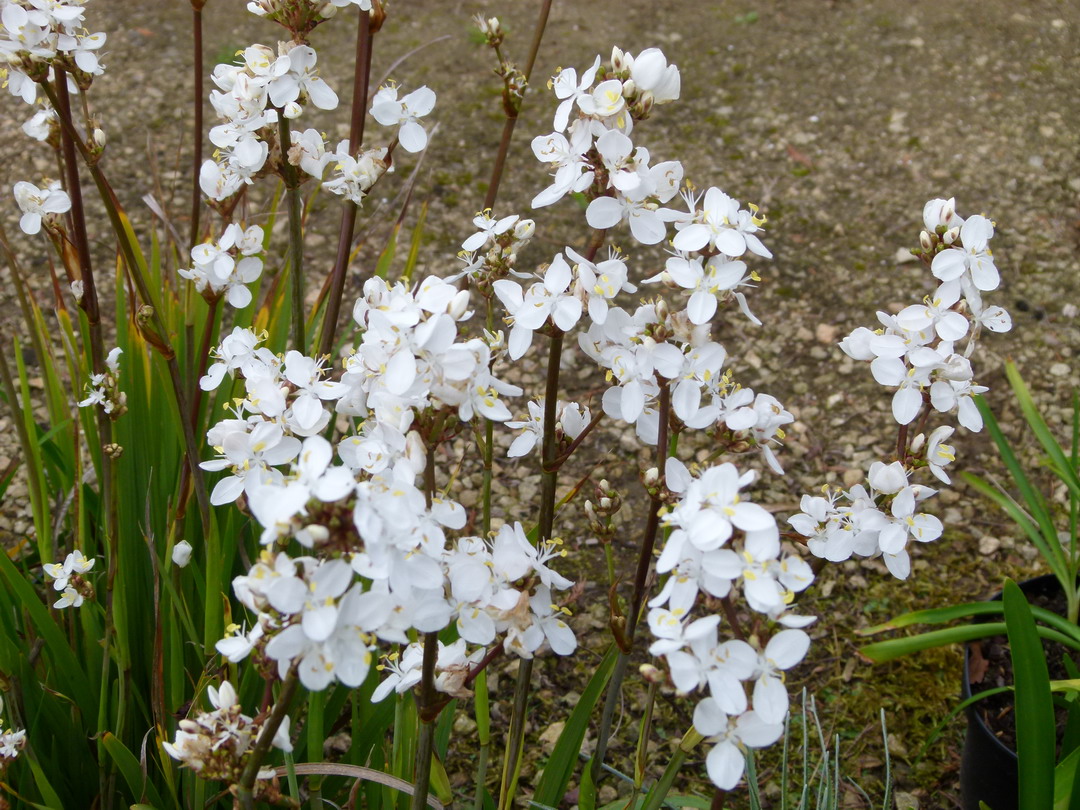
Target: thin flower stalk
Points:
(512, 106)
(197, 117)
(641, 577)
(295, 203)
(153, 327)
(245, 788)
(361, 80)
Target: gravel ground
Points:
(838, 118)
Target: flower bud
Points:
(652, 475)
(605, 503)
(181, 554)
(629, 88)
(917, 443)
(99, 137)
(459, 305)
(925, 240)
(951, 236)
(651, 674)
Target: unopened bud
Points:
(459, 305)
(926, 241)
(651, 674)
(917, 443)
(951, 236)
(652, 475)
(604, 485)
(618, 60)
(629, 88)
(181, 554)
(317, 532)
(605, 503)
(99, 137)
(663, 311)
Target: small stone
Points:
(852, 477)
(826, 333)
(988, 544)
(906, 801)
(607, 794)
(904, 256)
(1059, 369)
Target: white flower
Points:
(405, 113)
(37, 203)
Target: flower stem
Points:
(426, 742)
(197, 68)
(296, 233)
(645, 560)
(361, 79)
(511, 120)
(154, 328)
(659, 791)
(244, 790)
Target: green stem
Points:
(483, 733)
(516, 735)
(315, 739)
(244, 789)
(295, 204)
(659, 791)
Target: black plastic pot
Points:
(987, 766)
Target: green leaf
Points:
(1058, 461)
(48, 795)
(439, 781)
(894, 648)
(1065, 794)
(1034, 708)
(965, 611)
(560, 767)
(140, 786)
(69, 672)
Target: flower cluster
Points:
(722, 545)
(69, 580)
(661, 363)
(104, 389)
(218, 743)
(217, 270)
(37, 34)
(11, 743)
(249, 99)
(380, 561)
(915, 352)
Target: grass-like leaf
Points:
(1034, 707)
(882, 651)
(560, 766)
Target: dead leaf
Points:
(977, 663)
(798, 156)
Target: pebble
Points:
(988, 544)
(1059, 369)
